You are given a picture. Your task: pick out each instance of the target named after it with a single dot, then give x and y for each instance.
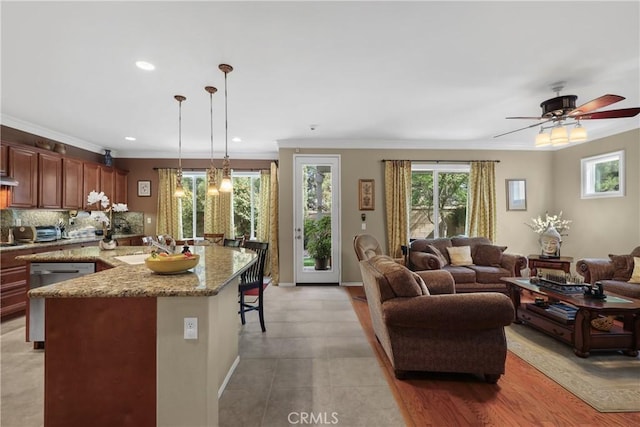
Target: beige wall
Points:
(553, 184)
(600, 226)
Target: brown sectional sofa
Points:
(613, 273)
(490, 262)
(423, 325)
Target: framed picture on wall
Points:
(516, 195)
(366, 195)
(144, 188)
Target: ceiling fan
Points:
(563, 107)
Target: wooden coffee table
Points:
(579, 333)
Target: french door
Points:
(316, 228)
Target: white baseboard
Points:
(351, 284)
(287, 285)
(228, 376)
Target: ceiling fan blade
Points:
(611, 114)
(526, 127)
(526, 118)
(595, 104)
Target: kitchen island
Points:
(115, 347)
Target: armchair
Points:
(613, 273)
(423, 325)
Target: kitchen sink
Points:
(134, 259)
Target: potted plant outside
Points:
(319, 242)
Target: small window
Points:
(603, 175)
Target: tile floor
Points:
(313, 366)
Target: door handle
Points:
(43, 272)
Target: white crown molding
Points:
(38, 130)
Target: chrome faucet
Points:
(161, 243)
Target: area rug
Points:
(608, 381)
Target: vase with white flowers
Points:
(104, 215)
(550, 231)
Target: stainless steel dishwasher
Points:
(48, 273)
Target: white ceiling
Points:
(368, 74)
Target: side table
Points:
(537, 261)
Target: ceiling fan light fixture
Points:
(543, 139)
(578, 133)
(559, 136)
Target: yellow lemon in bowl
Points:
(171, 264)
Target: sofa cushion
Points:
(435, 251)
(402, 281)
(488, 255)
(631, 290)
(441, 243)
(635, 275)
(622, 267)
(487, 274)
(461, 274)
(460, 255)
(470, 241)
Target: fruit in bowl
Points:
(171, 264)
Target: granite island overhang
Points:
(115, 348)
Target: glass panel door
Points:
(316, 219)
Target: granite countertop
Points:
(61, 242)
(218, 266)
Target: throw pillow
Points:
(622, 267)
(460, 255)
(635, 276)
(435, 251)
(488, 255)
(402, 281)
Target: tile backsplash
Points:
(123, 222)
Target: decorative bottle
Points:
(108, 160)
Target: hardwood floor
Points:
(522, 397)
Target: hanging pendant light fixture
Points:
(179, 190)
(212, 188)
(226, 186)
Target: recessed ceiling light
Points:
(236, 139)
(144, 65)
(129, 138)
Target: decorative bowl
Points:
(171, 264)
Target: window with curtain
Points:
(439, 194)
(192, 204)
(245, 207)
(246, 197)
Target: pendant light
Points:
(212, 188)
(226, 186)
(179, 190)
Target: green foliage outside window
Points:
(451, 201)
(607, 176)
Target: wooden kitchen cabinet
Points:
(108, 181)
(72, 178)
(120, 186)
(23, 166)
(49, 181)
(13, 283)
(4, 156)
(90, 181)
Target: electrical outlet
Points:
(148, 220)
(190, 328)
(364, 225)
